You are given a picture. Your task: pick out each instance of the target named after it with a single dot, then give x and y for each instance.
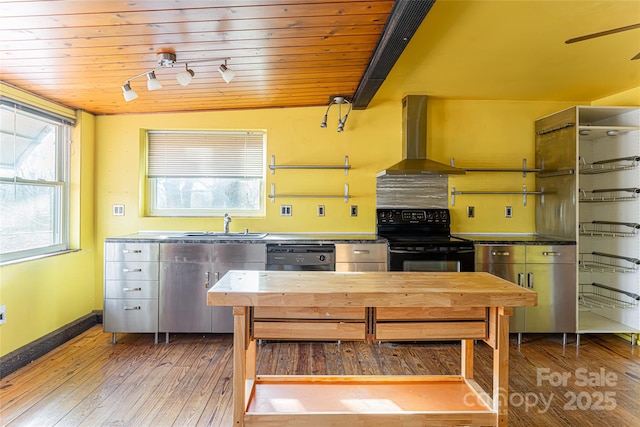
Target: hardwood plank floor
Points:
(90, 382)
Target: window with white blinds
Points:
(205, 173)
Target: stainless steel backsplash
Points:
(412, 191)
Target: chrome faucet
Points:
(227, 220)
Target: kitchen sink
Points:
(220, 235)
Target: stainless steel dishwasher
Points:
(299, 257)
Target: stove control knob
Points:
(321, 257)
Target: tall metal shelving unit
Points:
(590, 161)
(609, 220)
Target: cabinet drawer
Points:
(551, 254)
(130, 315)
(361, 252)
(131, 251)
(120, 289)
(345, 313)
(361, 266)
(500, 254)
(131, 271)
(399, 331)
(428, 313)
(243, 252)
(311, 331)
(186, 252)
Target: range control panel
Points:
(413, 216)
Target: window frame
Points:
(149, 202)
(61, 184)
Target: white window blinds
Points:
(205, 154)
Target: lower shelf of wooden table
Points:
(372, 400)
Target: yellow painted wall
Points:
(370, 140)
(45, 294)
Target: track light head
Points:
(152, 82)
(128, 93)
(184, 78)
(227, 74)
(341, 120)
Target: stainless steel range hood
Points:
(414, 143)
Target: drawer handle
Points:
(361, 252)
(551, 253)
(132, 270)
(500, 253)
(132, 307)
(131, 289)
(132, 251)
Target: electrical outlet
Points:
(3, 314)
(320, 210)
(471, 211)
(508, 211)
(354, 210)
(285, 210)
(118, 210)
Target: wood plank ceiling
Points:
(285, 52)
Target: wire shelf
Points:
(609, 195)
(609, 165)
(609, 228)
(607, 263)
(595, 295)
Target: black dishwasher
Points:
(301, 257)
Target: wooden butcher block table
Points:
(443, 306)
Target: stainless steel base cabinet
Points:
(361, 256)
(188, 271)
(550, 270)
(131, 288)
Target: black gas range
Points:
(420, 240)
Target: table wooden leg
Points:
(239, 364)
(250, 367)
(467, 359)
(501, 368)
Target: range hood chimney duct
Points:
(414, 143)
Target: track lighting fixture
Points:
(341, 119)
(167, 60)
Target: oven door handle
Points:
(404, 251)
